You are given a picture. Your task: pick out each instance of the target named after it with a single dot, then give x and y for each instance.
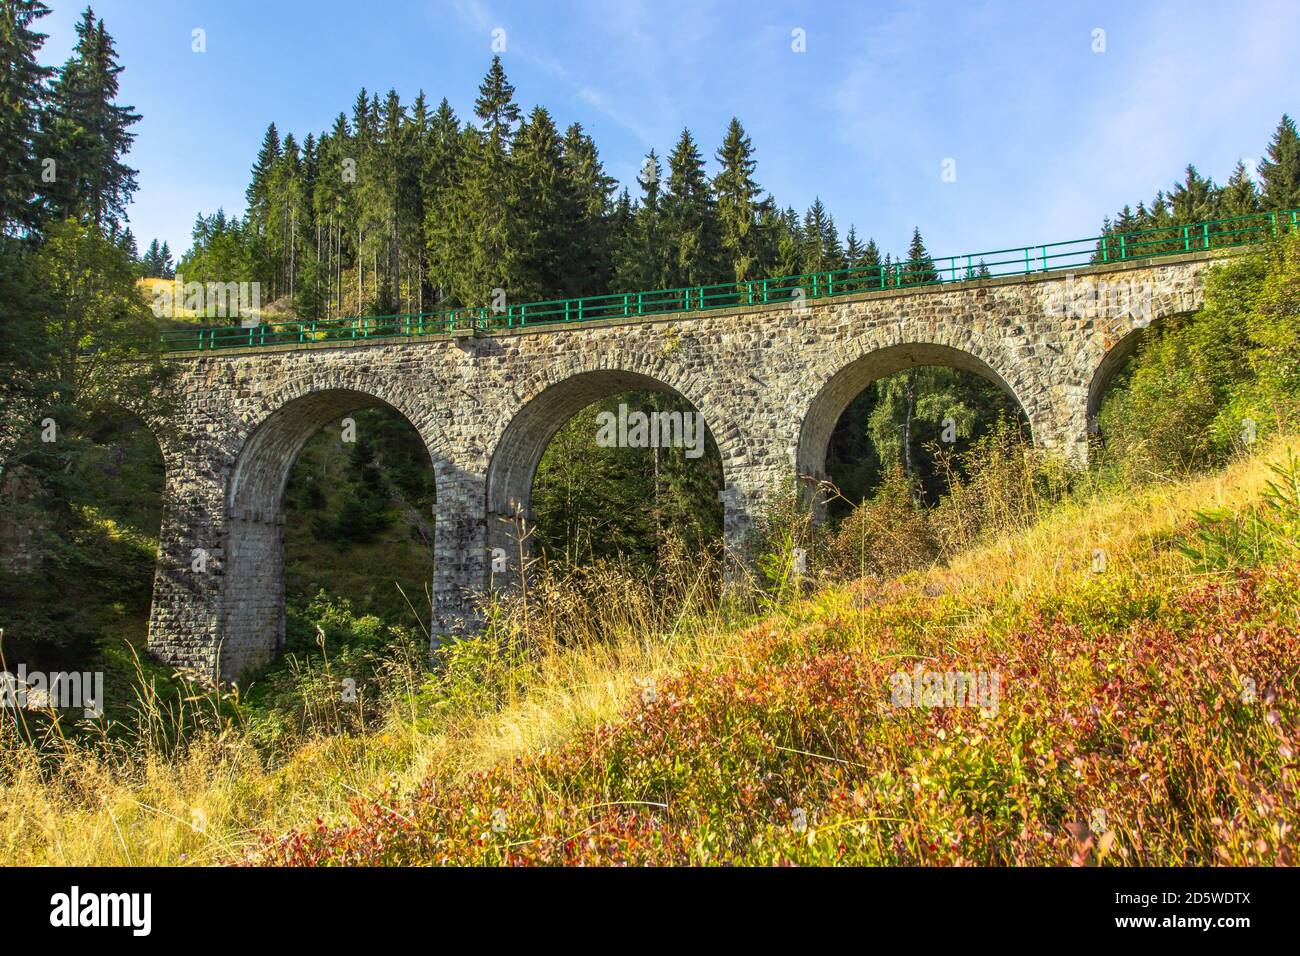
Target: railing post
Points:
(1273, 217)
(749, 293)
(1123, 248)
(640, 305)
(580, 310)
(765, 291)
(1105, 253)
(1205, 234)
(1027, 269)
(625, 306)
(1187, 239)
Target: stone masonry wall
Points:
(770, 381)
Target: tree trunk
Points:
(909, 391)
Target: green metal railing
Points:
(1025, 260)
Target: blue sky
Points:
(1047, 136)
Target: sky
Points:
(986, 125)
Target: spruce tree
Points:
(259, 179)
(495, 105)
(87, 133)
(361, 116)
(1280, 171)
(646, 262)
(1128, 220)
(690, 218)
(1239, 197)
(834, 251)
(852, 248)
(149, 262)
(439, 173)
(789, 244)
(22, 95)
(739, 206)
(622, 232)
(814, 256)
(543, 210)
(588, 227)
(485, 254)
(920, 267)
(1195, 199)
(821, 250)
(869, 265)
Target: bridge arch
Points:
(838, 391)
(1112, 362)
(1135, 318)
(522, 438)
(252, 625)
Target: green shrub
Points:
(886, 535)
(1263, 535)
(1203, 385)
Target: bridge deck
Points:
(1099, 254)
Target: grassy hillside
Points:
(1146, 715)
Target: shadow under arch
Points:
(1111, 364)
(839, 391)
(253, 612)
(519, 449)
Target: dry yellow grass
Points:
(207, 806)
(1121, 525)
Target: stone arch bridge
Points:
(769, 380)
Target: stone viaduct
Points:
(769, 380)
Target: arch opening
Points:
(330, 501)
(901, 407)
(602, 464)
(1112, 372)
